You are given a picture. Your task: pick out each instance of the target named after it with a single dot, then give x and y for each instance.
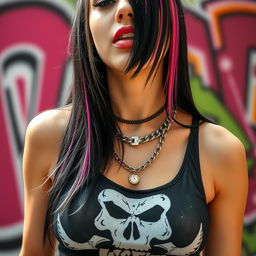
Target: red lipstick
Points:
(124, 42)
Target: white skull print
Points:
(130, 220)
(132, 226)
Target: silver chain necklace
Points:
(161, 132)
(137, 140)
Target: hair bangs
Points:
(152, 28)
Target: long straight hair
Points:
(88, 143)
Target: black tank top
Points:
(171, 219)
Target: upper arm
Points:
(40, 151)
(227, 164)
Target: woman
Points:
(131, 165)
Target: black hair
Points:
(87, 146)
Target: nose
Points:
(124, 11)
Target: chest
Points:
(177, 149)
(154, 222)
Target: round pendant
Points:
(134, 179)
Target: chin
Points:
(119, 66)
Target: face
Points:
(105, 18)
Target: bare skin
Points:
(223, 170)
(222, 155)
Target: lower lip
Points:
(124, 43)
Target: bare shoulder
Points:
(223, 154)
(216, 142)
(225, 178)
(44, 135)
(219, 143)
(42, 143)
(48, 125)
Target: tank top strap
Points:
(194, 139)
(192, 135)
(194, 168)
(192, 146)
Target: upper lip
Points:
(121, 31)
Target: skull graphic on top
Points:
(133, 222)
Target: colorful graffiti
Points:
(36, 74)
(223, 78)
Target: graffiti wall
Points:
(222, 57)
(35, 74)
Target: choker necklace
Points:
(140, 121)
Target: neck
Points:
(132, 100)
